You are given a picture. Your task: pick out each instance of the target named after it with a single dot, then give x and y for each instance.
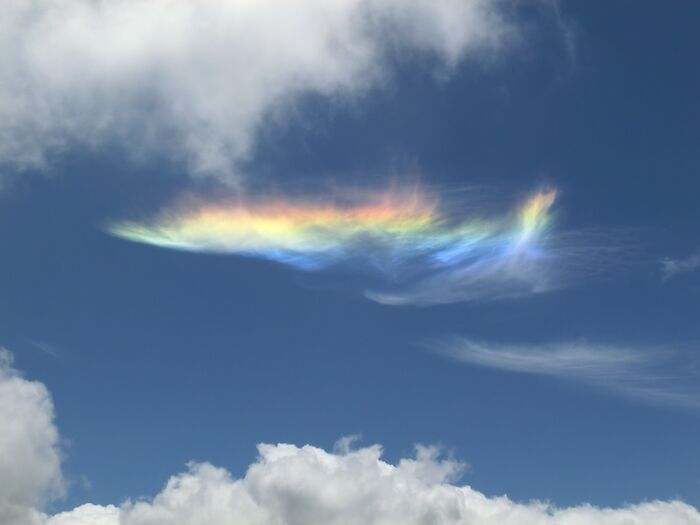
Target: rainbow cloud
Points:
(425, 251)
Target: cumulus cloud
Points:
(197, 78)
(653, 375)
(286, 485)
(30, 459)
(291, 485)
(671, 268)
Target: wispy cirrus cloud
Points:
(408, 245)
(654, 375)
(402, 239)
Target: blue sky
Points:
(157, 357)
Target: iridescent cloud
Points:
(428, 252)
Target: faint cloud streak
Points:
(653, 375)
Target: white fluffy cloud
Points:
(286, 485)
(309, 486)
(30, 463)
(197, 78)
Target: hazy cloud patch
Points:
(671, 268)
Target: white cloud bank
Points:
(287, 485)
(653, 375)
(197, 78)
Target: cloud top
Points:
(291, 485)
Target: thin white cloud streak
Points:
(671, 268)
(652, 375)
(196, 79)
(45, 348)
(286, 485)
